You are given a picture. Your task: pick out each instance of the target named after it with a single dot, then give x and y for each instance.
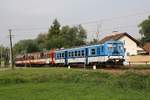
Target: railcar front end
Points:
(115, 52)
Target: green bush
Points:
(133, 81)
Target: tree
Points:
(41, 41)
(145, 30)
(4, 55)
(54, 37)
(74, 36)
(65, 37)
(54, 29)
(26, 46)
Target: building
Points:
(131, 45)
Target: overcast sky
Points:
(28, 18)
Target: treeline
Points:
(145, 30)
(56, 37)
(4, 55)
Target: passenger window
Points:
(62, 55)
(75, 53)
(72, 54)
(79, 53)
(69, 54)
(82, 53)
(93, 51)
(121, 48)
(59, 55)
(102, 48)
(109, 48)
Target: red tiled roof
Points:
(117, 37)
(147, 47)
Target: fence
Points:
(138, 59)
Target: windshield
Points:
(115, 48)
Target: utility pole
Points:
(97, 33)
(99, 25)
(11, 50)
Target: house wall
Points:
(130, 46)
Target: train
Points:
(110, 52)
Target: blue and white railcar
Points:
(60, 57)
(76, 55)
(109, 52)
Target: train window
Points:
(62, 55)
(69, 54)
(93, 51)
(59, 55)
(121, 48)
(102, 48)
(82, 53)
(72, 54)
(75, 53)
(110, 46)
(79, 53)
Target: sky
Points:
(28, 18)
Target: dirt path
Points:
(2, 69)
(121, 71)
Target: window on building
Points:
(128, 54)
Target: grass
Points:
(73, 84)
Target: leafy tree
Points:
(41, 40)
(74, 36)
(145, 30)
(4, 54)
(54, 29)
(53, 37)
(26, 46)
(65, 37)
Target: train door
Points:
(86, 56)
(52, 56)
(66, 58)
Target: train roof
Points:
(85, 46)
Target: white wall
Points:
(130, 46)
